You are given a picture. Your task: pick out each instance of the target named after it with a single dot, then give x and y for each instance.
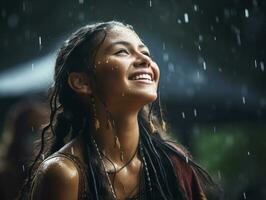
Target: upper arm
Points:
(57, 179)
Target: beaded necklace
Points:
(106, 172)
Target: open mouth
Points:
(144, 77)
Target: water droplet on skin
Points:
(183, 115)
(186, 18)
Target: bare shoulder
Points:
(56, 178)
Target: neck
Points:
(127, 131)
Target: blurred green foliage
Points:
(234, 154)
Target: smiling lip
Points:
(143, 81)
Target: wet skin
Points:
(118, 59)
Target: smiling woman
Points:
(103, 140)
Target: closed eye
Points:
(146, 53)
(121, 52)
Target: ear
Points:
(79, 82)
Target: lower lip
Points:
(143, 81)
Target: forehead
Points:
(119, 33)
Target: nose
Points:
(142, 60)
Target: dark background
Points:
(212, 60)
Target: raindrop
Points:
(183, 115)
(81, 1)
(204, 65)
(195, 7)
(23, 6)
(200, 38)
(215, 38)
(42, 156)
(165, 57)
(195, 113)
(262, 66)
(150, 3)
(40, 42)
(248, 153)
(179, 21)
(186, 159)
(244, 195)
(238, 39)
(23, 168)
(244, 100)
(163, 46)
(123, 94)
(199, 47)
(107, 61)
(217, 19)
(220, 69)
(99, 62)
(72, 151)
(255, 63)
(186, 18)
(198, 75)
(246, 13)
(32, 129)
(32, 67)
(219, 175)
(214, 129)
(171, 67)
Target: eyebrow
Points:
(125, 43)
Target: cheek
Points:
(110, 76)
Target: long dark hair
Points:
(68, 120)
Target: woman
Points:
(105, 141)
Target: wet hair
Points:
(68, 120)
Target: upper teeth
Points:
(142, 76)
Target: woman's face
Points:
(125, 72)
